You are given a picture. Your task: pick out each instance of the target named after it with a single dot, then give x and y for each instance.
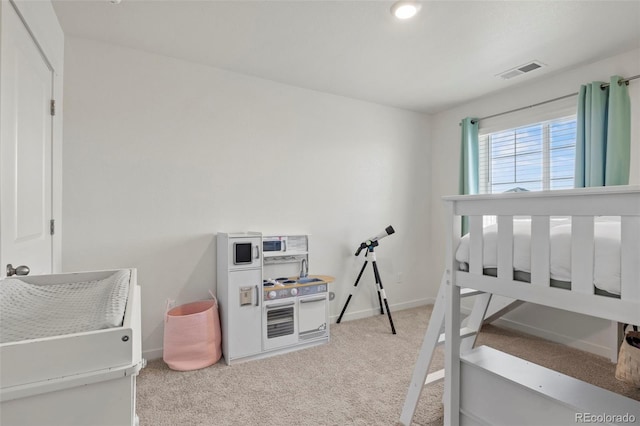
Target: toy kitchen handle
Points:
(316, 299)
(257, 250)
(257, 296)
(281, 305)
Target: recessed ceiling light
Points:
(405, 9)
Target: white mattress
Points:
(32, 311)
(606, 271)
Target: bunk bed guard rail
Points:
(583, 206)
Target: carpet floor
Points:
(360, 378)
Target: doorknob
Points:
(20, 270)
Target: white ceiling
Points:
(449, 53)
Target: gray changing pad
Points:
(31, 311)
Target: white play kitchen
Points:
(268, 302)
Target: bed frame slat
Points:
(630, 255)
(582, 254)
(540, 256)
(505, 247)
(476, 244)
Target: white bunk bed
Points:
(522, 392)
(76, 378)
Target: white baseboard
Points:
(366, 313)
(569, 341)
(152, 354)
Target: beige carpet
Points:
(359, 378)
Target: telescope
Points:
(370, 245)
(373, 241)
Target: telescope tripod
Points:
(381, 294)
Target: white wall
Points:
(161, 154)
(580, 331)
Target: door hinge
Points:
(53, 107)
(52, 226)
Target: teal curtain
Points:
(603, 134)
(469, 162)
(618, 134)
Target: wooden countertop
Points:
(326, 278)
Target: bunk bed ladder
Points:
(433, 337)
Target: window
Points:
(534, 157)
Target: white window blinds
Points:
(534, 157)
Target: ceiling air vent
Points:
(522, 69)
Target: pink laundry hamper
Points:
(192, 336)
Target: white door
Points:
(25, 150)
(312, 316)
(244, 313)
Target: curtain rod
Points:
(602, 86)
